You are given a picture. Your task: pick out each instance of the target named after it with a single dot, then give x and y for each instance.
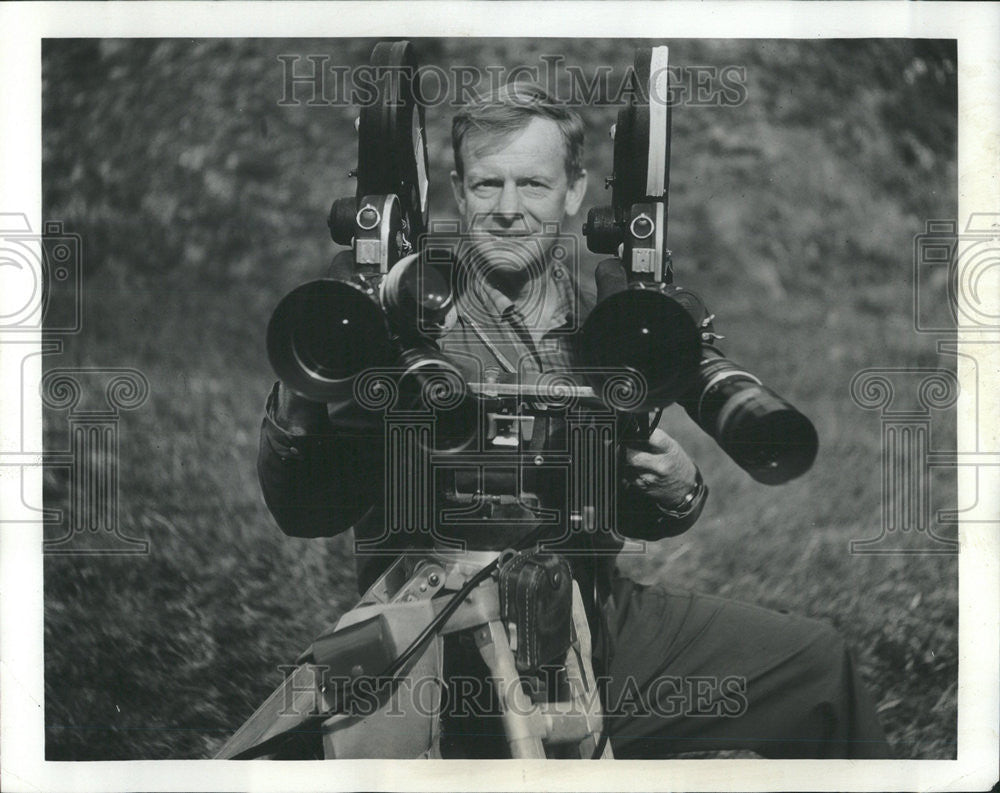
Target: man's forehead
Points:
(538, 146)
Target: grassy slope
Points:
(201, 201)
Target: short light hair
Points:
(511, 108)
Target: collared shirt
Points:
(528, 338)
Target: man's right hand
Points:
(297, 415)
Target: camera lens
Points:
(417, 297)
(334, 335)
(647, 336)
(432, 383)
(323, 333)
(760, 431)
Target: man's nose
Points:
(508, 206)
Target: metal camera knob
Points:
(341, 220)
(642, 227)
(602, 233)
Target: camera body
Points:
(375, 322)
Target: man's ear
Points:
(458, 188)
(574, 196)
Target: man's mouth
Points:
(509, 233)
(502, 226)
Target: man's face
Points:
(511, 186)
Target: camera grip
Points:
(611, 279)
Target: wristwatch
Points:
(692, 502)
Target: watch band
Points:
(692, 502)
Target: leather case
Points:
(536, 604)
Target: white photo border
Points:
(977, 30)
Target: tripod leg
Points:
(583, 685)
(521, 720)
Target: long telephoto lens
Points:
(760, 431)
(324, 333)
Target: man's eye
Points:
(484, 188)
(534, 187)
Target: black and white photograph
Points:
(464, 395)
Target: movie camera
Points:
(391, 300)
(384, 304)
(639, 320)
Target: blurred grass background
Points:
(201, 201)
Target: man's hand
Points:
(299, 416)
(660, 468)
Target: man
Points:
(687, 672)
